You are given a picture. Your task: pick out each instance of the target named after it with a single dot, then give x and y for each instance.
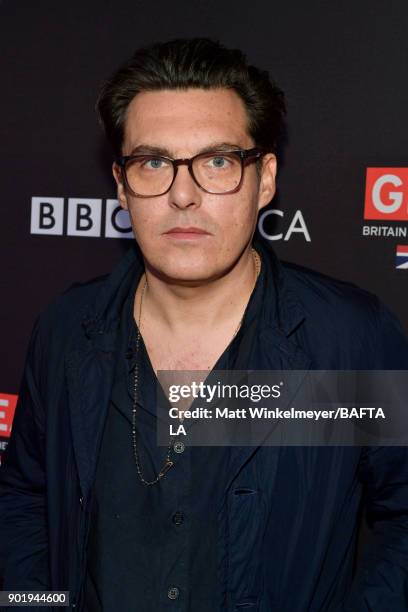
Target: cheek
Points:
(145, 218)
(242, 215)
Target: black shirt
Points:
(154, 547)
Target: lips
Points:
(186, 230)
(187, 234)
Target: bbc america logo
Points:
(84, 217)
(88, 217)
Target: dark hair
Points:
(193, 63)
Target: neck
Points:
(176, 308)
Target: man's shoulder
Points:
(58, 327)
(317, 290)
(81, 298)
(71, 304)
(319, 298)
(341, 314)
(341, 323)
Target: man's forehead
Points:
(163, 118)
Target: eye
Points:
(154, 163)
(219, 161)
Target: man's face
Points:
(182, 123)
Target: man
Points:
(89, 502)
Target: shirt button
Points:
(173, 593)
(178, 518)
(179, 447)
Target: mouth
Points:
(186, 233)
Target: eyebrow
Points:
(214, 146)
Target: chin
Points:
(187, 271)
(185, 276)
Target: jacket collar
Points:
(286, 312)
(101, 316)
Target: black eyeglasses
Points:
(215, 172)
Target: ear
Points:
(267, 185)
(117, 175)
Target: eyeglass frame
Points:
(245, 156)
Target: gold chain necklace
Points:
(168, 463)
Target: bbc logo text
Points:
(84, 218)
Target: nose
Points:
(184, 192)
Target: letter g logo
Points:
(386, 196)
(394, 196)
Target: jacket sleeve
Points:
(381, 582)
(23, 521)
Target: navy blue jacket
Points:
(289, 545)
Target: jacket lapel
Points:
(273, 347)
(90, 364)
(89, 371)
